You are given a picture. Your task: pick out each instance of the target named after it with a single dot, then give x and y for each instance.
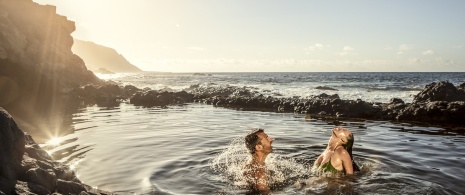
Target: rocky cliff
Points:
(28, 169)
(37, 66)
(99, 57)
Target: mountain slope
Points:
(100, 57)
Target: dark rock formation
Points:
(442, 91)
(105, 95)
(157, 98)
(211, 91)
(99, 57)
(28, 169)
(438, 103)
(37, 66)
(325, 88)
(461, 86)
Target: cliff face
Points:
(100, 57)
(37, 65)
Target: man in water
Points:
(259, 145)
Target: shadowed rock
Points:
(37, 66)
(157, 98)
(28, 169)
(437, 103)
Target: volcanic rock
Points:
(441, 91)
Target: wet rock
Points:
(461, 86)
(108, 95)
(441, 91)
(325, 96)
(129, 91)
(325, 88)
(30, 188)
(27, 168)
(156, 98)
(7, 186)
(12, 146)
(211, 91)
(45, 178)
(396, 101)
(68, 187)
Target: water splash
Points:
(281, 171)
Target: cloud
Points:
(459, 46)
(346, 50)
(428, 53)
(388, 47)
(316, 46)
(403, 48)
(178, 26)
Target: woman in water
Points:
(337, 158)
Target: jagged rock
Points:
(37, 65)
(156, 98)
(325, 96)
(325, 88)
(396, 101)
(108, 95)
(441, 91)
(30, 188)
(27, 168)
(211, 91)
(12, 146)
(129, 91)
(461, 86)
(45, 178)
(7, 186)
(67, 187)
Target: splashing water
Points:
(281, 171)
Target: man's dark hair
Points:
(252, 139)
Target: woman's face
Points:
(341, 135)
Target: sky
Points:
(276, 35)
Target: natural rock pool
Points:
(197, 149)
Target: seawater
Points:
(368, 86)
(198, 149)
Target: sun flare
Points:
(55, 141)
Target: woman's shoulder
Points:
(341, 151)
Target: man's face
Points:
(265, 141)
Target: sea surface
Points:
(198, 148)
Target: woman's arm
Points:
(318, 160)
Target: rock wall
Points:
(37, 66)
(28, 169)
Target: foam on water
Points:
(281, 170)
(371, 87)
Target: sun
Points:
(55, 141)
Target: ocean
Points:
(198, 148)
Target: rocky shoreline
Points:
(438, 103)
(28, 169)
(42, 83)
